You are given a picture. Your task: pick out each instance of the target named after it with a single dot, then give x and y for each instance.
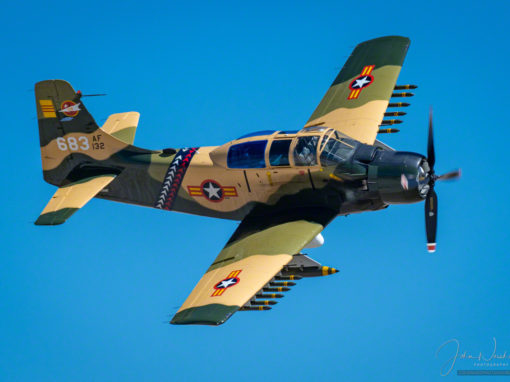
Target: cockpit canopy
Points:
(312, 146)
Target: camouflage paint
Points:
(360, 118)
(282, 208)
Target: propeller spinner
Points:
(431, 198)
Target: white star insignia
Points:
(212, 191)
(360, 82)
(226, 283)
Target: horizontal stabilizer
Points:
(70, 198)
(122, 126)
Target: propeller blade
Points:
(431, 219)
(450, 175)
(431, 154)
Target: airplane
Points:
(284, 187)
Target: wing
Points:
(70, 198)
(355, 102)
(122, 126)
(258, 250)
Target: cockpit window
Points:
(325, 138)
(314, 128)
(247, 155)
(279, 152)
(305, 152)
(288, 132)
(335, 151)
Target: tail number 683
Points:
(73, 144)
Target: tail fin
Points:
(70, 139)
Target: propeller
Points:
(450, 175)
(431, 198)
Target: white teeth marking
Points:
(169, 179)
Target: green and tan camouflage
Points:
(122, 126)
(70, 198)
(257, 251)
(284, 187)
(358, 97)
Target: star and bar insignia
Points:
(227, 282)
(212, 191)
(361, 82)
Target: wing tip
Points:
(191, 322)
(211, 315)
(55, 217)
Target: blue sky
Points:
(88, 300)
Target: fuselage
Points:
(314, 168)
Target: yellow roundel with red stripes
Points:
(231, 280)
(361, 82)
